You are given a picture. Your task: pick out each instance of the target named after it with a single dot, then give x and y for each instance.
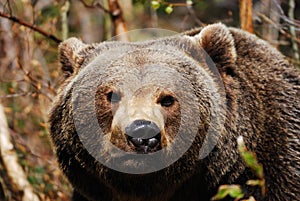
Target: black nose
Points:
(144, 135)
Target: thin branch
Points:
(153, 17)
(35, 83)
(282, 31)
(193, 14)
(94, 5)
(293, 22)
(64, 19)
(292, 29)
(30, 26)
(16, 95)
(116, 14)
(9, 6)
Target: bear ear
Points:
(72, 53)
(218, 43)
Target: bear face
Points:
(151, 96)
(144, 91)
(158, 120)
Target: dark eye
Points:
(113, 97)
(167, 101)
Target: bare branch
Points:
(64, 19)
(35, 83)
(9, 6)
(294, 22)
(116, 14)
(30, 26)
(16, 95)
(95, 5)
(292, 29)
(193, 14)
(282, 31)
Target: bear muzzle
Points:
(144, 135)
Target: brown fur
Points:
(262, 93)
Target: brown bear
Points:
(158, 120)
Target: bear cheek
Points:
(104, 113)
(172, 123)
(117, 138)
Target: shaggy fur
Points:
(262, 103)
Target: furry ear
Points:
(72, 53)
(218, 42)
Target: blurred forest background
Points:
(30, 31)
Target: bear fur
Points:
(261, 103)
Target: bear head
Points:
(141, 109)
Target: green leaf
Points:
(222, 193)
(250, 158)
(236, 192)
(169, 9)
(233, 191)
(31, 180)
(155, 5)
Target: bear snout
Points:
(144, 135)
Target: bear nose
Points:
(144, 135)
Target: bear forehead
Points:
(134, 77)
(144, 61)
(168, 50)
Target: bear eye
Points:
(167, 101)
(113, 97)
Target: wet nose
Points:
(144, 135)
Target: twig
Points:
(294, 22)
(30, 26)
(116, 14)
(35, 83)
(153, 18)
(9, 6)
(64, 19)
(193, 14)
(94, 5)
(19, 141)
(16, 95)
(268, 20)
(292, 29)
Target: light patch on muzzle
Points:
(138, 107)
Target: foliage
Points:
(167, 6)
(235, 191)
